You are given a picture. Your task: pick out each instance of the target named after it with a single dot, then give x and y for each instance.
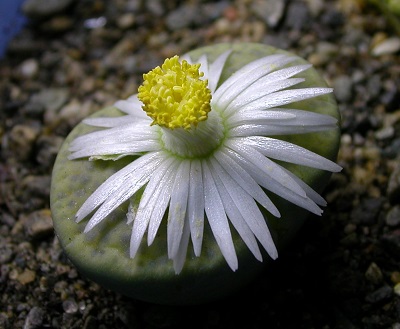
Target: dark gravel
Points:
(73, 58)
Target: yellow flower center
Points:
(174, 96)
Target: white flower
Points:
(198, 159)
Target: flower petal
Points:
(215, 70)
(217, 218)
(270, 129)
(122, 185)
(129, 148)
(153, 204)
(312, 194)
(252, 94)
(195, 210)
(179, 259)
(234, 214)
(246, 76)
(126, 133)
(262, 122)
(242, 207)
(177, 208)
(267, 84)
(284, 97)
(272, 177)
(226, 158)
(132, 106)
(160, 201)
(114, 182)
(282, 117)
(109, 122)
(203, 66)
(288, 152)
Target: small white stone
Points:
(29, 68)
(386, 47)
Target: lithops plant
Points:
(187, 190)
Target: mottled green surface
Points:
(103, 254)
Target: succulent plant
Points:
(168, 196)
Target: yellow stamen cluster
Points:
(174, 96)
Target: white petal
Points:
(240, 202)
(279, 183)
(265, 116)
(203, 66)
(270, 129)
(247, 75)
(288, 152)
(132, 181)
(288, 72)
(215, 70)
(267, 84)
(109, 122)
(132, 106)
(251, 94)
(286, 97)
(130, 148)
(180, 257)
(312, 194)
(226, 159)
(133, 207)
(126, 133)
(278, 178)
(187, 58)
(156, 194)
(177, 208)
(160, 201)
(234, 214)
(195, 209)
(217, 219)
(114, 182)
(287, 118)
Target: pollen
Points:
(174, 95)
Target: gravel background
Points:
(75, 57)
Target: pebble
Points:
(396, 290)
(155, 7)
(50, 99)
(270, 11)
(380, 295)
(297, 16)
(374, 273)
(38, 224)
(374, 86)
(367, 211)
(182, 17)
(393, 187)
(315, 6)
(47, 149)
(44, 8)
(74, 112)
(387, 46)
(391, 242)
(34, 319)
(58, 24)
(38, 185)
(343, 88)
(6, 253)
(126, 21)
(29, 68)
(22, 139)
(393, 216)
(385, 133)
(70, 306)
(27, 276)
